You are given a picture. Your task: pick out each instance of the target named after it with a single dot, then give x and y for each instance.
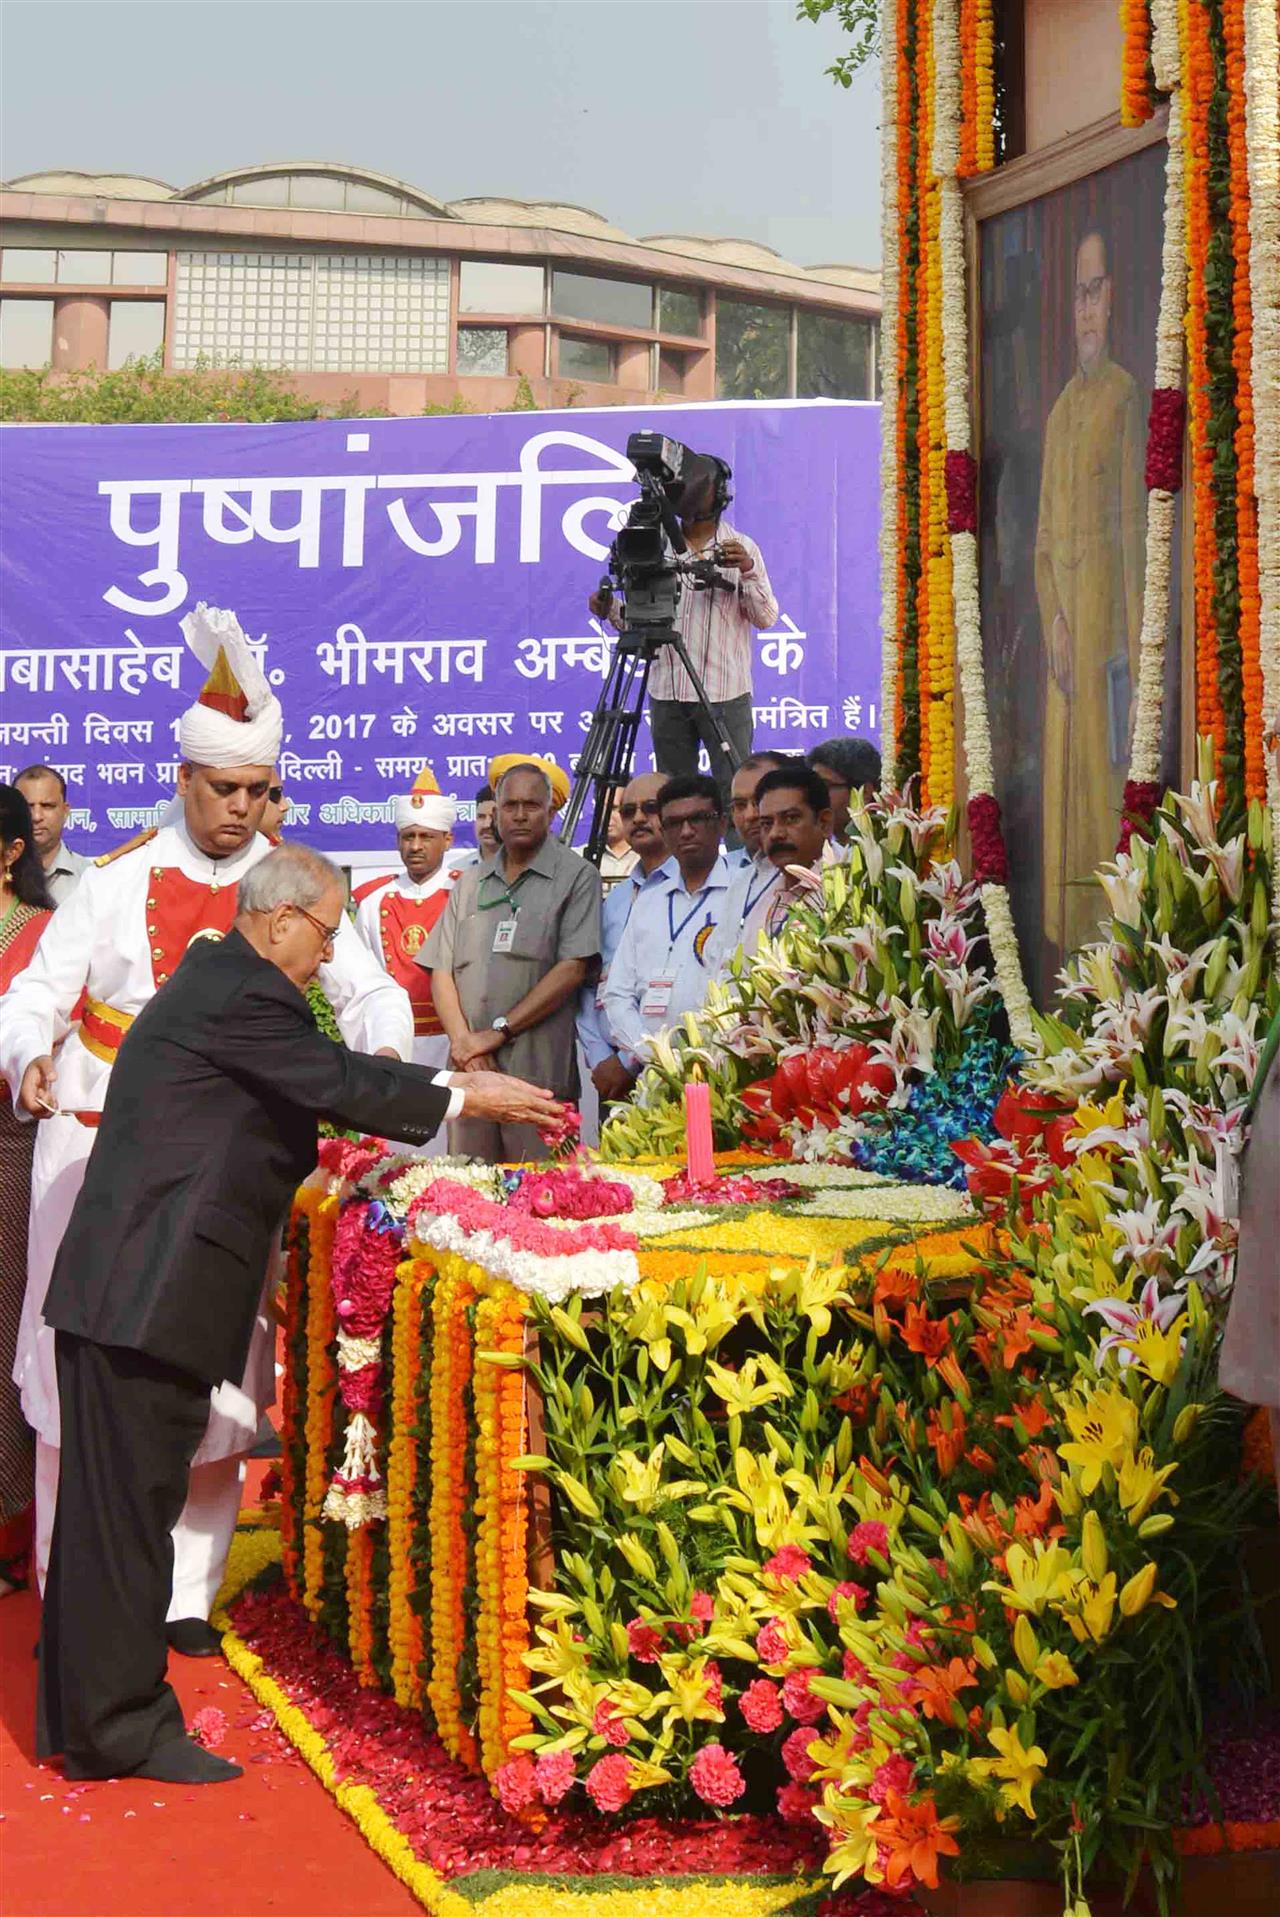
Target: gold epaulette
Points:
(130, 845)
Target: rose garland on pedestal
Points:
(367, 1249)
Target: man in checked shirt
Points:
(717, 626)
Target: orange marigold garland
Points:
(501, 1548)
(404, 1622)
(1136, 103)
(450, 1382)
(360, 1603)
(1197, 85)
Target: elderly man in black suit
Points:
(209, 1125)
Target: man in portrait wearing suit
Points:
(208, 1127)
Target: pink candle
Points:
(699, 1155)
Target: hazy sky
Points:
(703, 116)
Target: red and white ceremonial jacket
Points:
(394, 917)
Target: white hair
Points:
(289, 875)
(535, 770)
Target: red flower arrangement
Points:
(1141, 798)
(1165, 428)
(962, 492)
(476, 1213)
(683, 1190)
(565, 1193)
(990, 855)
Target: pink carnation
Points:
(702, 1606)
(771, 1645)
(645, 1642)
(795, 1804)
(608, 1724)
(795, 1755)
(554, 1774)
(853, 1592)
(761, 1705)
(609, 1782)
(800, 1703)
(713, 1678)
(208, 1727)
(716, 1777)
(517, 1784)
(868, 1535)
(789, 1563)
(895, 1774)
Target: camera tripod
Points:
(606, 761)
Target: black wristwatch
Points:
(502, 1024)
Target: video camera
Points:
(649, 561)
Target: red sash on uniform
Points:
(179, 910)
(404, 925)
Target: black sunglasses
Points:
(648, 806)
(275, 793)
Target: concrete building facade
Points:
(359, 284)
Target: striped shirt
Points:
(717, 629)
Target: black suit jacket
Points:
(209, 1127)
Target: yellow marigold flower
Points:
(1104, 1431)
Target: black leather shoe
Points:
(193, 1637)
(183, 1762)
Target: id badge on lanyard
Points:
(657, 995)
(504, 936)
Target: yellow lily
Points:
(1103, 1430)
(1141, 1485)
(1089, 1607)
(746, 1390)
(1055, 1671)
(1034, 1575)
(687, 1696)
(1021, 1768)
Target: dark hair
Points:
(753, 759)
(42, 772)
(800, 778)
(856, 760)
(695, 786)
(26, 873)
(485, 795)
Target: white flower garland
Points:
(1262, 140)
(964, 546)
(889, 476)
(900, 1204)
(1148, 731)
(585, 1274)
(823, 1177)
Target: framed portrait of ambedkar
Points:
(1065, 251)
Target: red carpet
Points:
(270, 1844)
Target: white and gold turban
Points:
(236, 720)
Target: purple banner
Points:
(419, 587)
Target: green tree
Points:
(860, 19)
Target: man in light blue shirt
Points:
(660, 971)
(638, 810)
(742, 806)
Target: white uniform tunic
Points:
(395, 935)
(100, 943)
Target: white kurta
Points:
(98, 942)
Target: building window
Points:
(609, 302)
(37, 266)
(491, 286)
(482, 349)
(26, 332)
(79, 268)
(139, 269)
(584, 358)
(135, 330)
(321, 312)
(679, 312)
(753, 350)
(833, 357)
(671, 370)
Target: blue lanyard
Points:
(674, 929)
(754, 898)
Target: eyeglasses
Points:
(1089, 292)
(706, 817)
(275, 793)
(328, 933)
(649, 807)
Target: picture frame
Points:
(1063, 253)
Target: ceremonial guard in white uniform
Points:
(395, 914)
(117, 939)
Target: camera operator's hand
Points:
(600, 604)
(508, 1100)
(734, 553)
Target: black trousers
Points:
(677, 728)
(130, 1428)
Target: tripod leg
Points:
(605, 761)
(714, 723)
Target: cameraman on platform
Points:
(717, 625)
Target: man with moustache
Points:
(795, 828)
(638, 811)
(752, 875)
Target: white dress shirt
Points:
(661, 968)
(594, 1035)
(745, 911)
